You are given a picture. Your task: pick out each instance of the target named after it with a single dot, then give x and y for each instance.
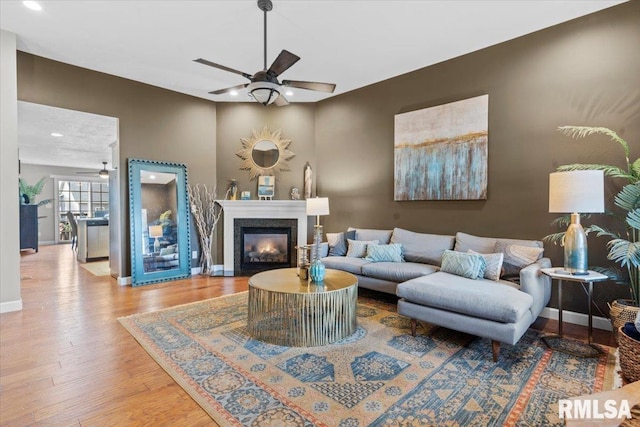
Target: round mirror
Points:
(265, 154)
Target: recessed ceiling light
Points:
(233, 93)
(289, 93)
(32, 5)
(56, 134)
(152, 177)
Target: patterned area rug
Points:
(379, 376)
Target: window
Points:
(82, 199)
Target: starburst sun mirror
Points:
(265, 153)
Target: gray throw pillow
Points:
(338, 242)
(493, 266)
(516, 257)
(358, 248)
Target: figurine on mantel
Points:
(295, 193)
(233, 190)
(307, 181)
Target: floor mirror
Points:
(159, 221)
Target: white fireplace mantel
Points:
(272, 209)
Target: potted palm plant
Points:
(624, 245)
(28, 192)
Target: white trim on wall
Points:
(577, 318)
(9, 306)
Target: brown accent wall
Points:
(154, 123)
(237, 120)
(585, 72)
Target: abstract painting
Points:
(441, 152)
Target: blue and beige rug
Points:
(380, 376)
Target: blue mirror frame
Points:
(141, 273)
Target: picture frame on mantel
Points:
(266, 187)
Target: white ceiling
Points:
(84, 142)
(352, 43)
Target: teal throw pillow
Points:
(385, 253)
(462, 264)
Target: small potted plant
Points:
(28, 192)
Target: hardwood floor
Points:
(66, 361)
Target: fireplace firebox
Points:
(263, 244)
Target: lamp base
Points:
(575, 248)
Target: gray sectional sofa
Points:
(494, 308)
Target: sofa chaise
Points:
(487, 287)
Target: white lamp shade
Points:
(576, 192)
(155, 231)
(318, 206)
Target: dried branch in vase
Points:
(206, 213)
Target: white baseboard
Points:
(218, 268)
(46, 242)
(9, 306)
(577, 318)
(195, 270)
(124, 281)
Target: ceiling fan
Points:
(102, 173)
(264, 86)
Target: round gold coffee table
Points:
(285, 310)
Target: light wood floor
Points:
(66, 361)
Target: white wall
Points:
(10, 299)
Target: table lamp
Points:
(576, 192)
(318, 206)
(155, 231)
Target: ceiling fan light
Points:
(104, 174)
(264, 92)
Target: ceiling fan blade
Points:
(221, 67)
(285, 60)
(229, 89)
(320, 87)
(281, 101)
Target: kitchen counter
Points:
(93, 239)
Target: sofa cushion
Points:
(350, 265)
(466, 242)
(397, 272)
(385, 253)
(382, 236)
(516, 257)
(486, 245)
(462, 264)
(483, 298)
(358, 248)
(493, 264)
(421, 247)
(338, 242)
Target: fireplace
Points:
(263, 244)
